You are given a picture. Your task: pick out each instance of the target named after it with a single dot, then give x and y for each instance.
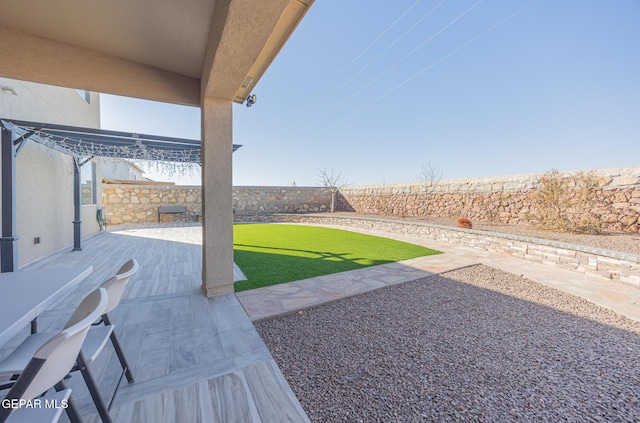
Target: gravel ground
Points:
(625, 242)
(473, 344)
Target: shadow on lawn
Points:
(270, 268)
(320, 254)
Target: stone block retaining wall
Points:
(588, 260)
(506, 199)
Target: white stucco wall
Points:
(120, 169)
(45, 177)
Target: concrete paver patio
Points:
(194, 359)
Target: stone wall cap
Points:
(275, 187)
(622, 176)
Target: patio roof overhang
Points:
(176, 52)
(202, 53)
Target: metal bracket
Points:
(21, 141)
(85, 162)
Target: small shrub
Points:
(565, 203)
(463, 222)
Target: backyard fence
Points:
(507, 199)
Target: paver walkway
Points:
(272, 301)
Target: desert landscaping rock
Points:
(473, 344)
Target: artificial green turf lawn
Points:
(270, 254)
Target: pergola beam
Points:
(82, 142)
(15, 133)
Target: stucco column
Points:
(217, 198)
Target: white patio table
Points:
(24, 295)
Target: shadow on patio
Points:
(193, 358)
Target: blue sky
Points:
(377, 89)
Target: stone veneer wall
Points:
(260, 200)
(507, 199)
(125, 203)
(588, 260)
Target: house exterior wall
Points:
(45, 177)
(120, 169)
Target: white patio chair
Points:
(46, 366)
(18, 359)
(100, 334)
(115, 287)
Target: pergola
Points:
(83, 144)
(202, 53)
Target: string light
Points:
(183, 159)
(135, 152)
(168, 161)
